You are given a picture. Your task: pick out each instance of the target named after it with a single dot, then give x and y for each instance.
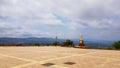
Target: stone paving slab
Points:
(6, 62)
(40, 54)
(111, 64)
(108, 54)
(57, 57)
(80, 62)
(41, 66)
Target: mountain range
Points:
(49, 41)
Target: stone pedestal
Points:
(81, 43)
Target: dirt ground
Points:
(57, 57)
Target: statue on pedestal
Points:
(81, 43)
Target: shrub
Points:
(55, 43)
(68, 43)
(110, 48)
(37, 44)
(116, 45)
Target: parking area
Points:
(57, 57)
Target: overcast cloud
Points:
(95, 19)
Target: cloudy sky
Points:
(95, 19)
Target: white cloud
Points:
(23, 15)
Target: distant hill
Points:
(48, 41)
(27, 40)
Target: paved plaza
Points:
(57, 57)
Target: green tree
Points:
(37, 44)
(55, 43)
(68, 43)
(110, 48)
(116, 45)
